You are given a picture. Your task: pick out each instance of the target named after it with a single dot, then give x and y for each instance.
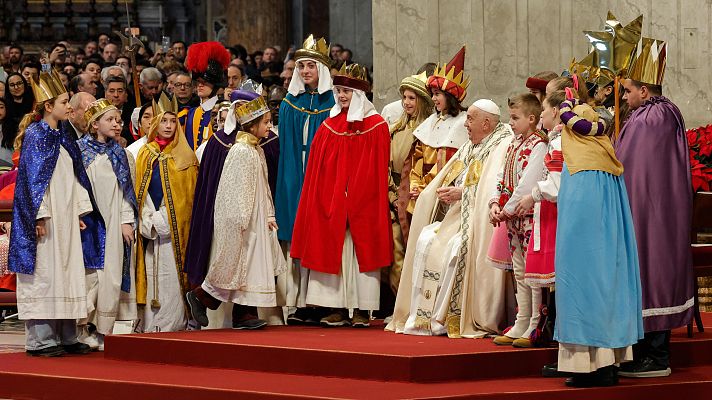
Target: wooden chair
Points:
(701, 253)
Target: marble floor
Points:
(12, 336)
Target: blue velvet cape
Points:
(293, 114)
(38, 159)
(90, 148)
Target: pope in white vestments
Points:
(445, 287)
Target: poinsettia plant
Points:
(699, 141)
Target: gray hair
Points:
(105, 72)
(150, 74)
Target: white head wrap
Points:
(231, 119)
(135, 123)
(359, 108)
(296, 85)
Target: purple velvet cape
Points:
(197, 254)
(270, 145)
(653, 149)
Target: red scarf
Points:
(162, 143)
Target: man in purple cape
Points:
(653, 149)
(201, 227)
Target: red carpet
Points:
(289, 362)
(357, 353)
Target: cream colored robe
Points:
(161, 277)
(245, 255)
(105, 301)
(470, 299)
(57, 289)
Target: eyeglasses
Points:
(182, 85)
(16, 85)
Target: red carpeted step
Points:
(95, 377)
(359, 353)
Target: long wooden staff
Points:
(617, 106)
(131, 45)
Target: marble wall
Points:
(509, 40)
(350, 26)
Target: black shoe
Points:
(249, 324)
(606, 376)
(299, 317)
(645, 368)
(54, 351)
(77, 348)
(197, 309)
(552, 371)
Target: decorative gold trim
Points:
(352, 133)
(302, 109)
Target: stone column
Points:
(258, 24)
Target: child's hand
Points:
(82, 225)
(127, 231)
(40, 229)
(272, 225)
(494, 214)
(414, 194)
(525, 205)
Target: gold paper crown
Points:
(49, 86)
(352, 76)
(460, 79)
(354, 71)
(96, 109)
(316, 49)
(165, 105)
(587, 68)
(251, 110)
(418, 84)
(649, 63)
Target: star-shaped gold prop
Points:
(616, 44)
(587, 68)
(129, 44)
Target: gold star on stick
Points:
(616, 44)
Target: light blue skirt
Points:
(598, 295)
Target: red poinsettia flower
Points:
(692, 136)
(701, 177)
(699, 141)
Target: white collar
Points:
(208, 105)
(296, 85)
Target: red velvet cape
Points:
(345, 187)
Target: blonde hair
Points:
(423, 109)
(528, 103)
(563, 82)
(555, 99)
(36, 114)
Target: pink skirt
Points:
(499, 254)
(540, 263)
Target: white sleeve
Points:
(531, 174)
(494, 198)
(548, 189)
(153, 224)
(44, 211)
(127, 212)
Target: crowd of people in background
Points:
(102, 69)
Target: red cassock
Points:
(345, 187)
